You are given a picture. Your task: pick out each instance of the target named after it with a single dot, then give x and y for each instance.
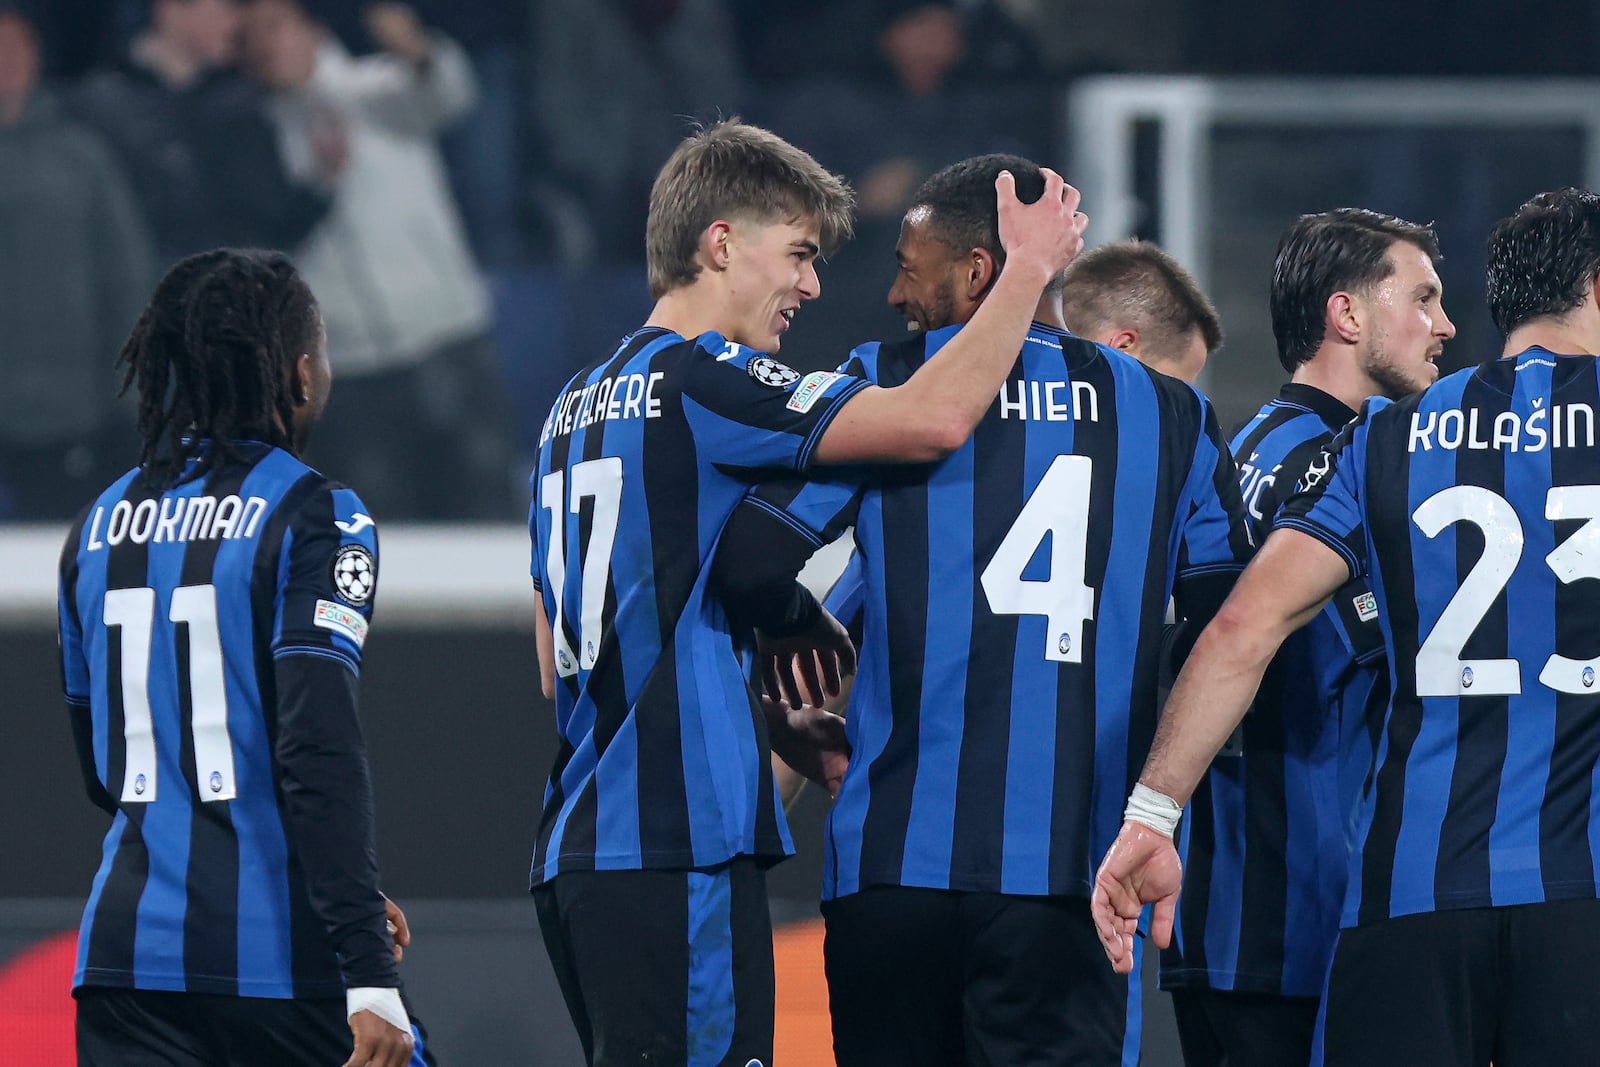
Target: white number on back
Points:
(1440, 669)
(1058, 506)
(600, 479)
(133, 610)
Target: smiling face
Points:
(929, 290)
(1407, 323)
(772, 270)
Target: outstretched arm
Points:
(1282, 590)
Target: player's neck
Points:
(1049, 310)
(690, 311)
(1562, 336)
(1336, 374)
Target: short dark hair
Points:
(212, 355)
(1343, 250)
(733, 169)
(961, 204)
(1138, 284)
(1543, 259)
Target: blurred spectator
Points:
(419, 415)
(74, 262)
(615, 84)
(484, 149)
(194, 137)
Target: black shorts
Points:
(154, 1028)
(1512, 985)
(929, 977)
(664, 966)
(1221, 1028)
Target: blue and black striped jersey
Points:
(663, 760)
(1263, 840)
(191, 620)
(1472, 509)
(1014, 596)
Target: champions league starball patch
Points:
(354, 574)
(769, 371)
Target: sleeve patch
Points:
(810, 390)
(341, 620)
(355, 573)
(769, 371)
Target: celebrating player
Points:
(213, 605)
(1006, 689)
(660, 815)
(1470, 914)
(1356, 309)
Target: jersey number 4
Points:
(1058, 508)
(134, 611)
(601, 480)
(1441, 672)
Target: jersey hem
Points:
(102, 977)
(766, 853)
(1537, 894)
(1229, 982)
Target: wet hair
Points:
(1543, 259)
(960, 202)
(1138, 284)
(742, 173)
(212, 357)
(1344, 250)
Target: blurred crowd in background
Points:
(464, 183)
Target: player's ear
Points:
(981, 272)
(300, 379)
(1343, 317)
(714, 241)
(1124, 340)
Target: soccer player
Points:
(1134, 297)
(1470, 917)
(1357, 312)
(1006, 689)
(213, 605)
(661, 815)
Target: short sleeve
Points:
(327, 579)
(751, 410)
(1326, 503)
(1216, 531)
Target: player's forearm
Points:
(936, 411)
(1210, 697)
(327, 808)
(753, 575)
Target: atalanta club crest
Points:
(354, 574)
(769, 371)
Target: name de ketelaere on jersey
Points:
(663, 760)
(173, 608)
(1014, 600)
(1473, 509)
(1263, 839)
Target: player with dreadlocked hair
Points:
(213, 603)
(214, 358)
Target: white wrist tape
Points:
(1156, 810)
(384, 1003)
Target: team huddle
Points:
(1373, 778)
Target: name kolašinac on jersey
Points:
(1263, 840)
(1005, 699)
(176, 609)
(1471, 507)
(663, 760)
